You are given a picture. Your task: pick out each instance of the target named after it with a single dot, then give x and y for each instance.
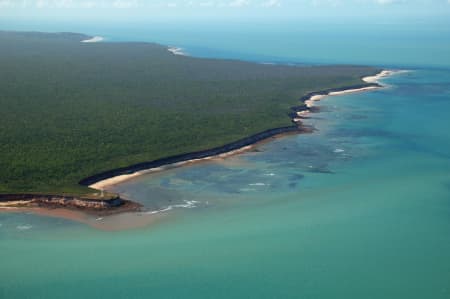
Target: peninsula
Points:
(77, 110)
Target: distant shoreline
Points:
(177, 51)
(105, 180)
(372, 84)
(94, 39)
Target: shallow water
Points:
(358, 209)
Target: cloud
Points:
(384, 1)
(209, 4)
(327, 3)
(125, 3)
(88, 4)
(273, 3)
(5, 3)
(41, 4)
(239, 3)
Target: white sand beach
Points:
(310, 102)
(176, 51)
(377, 77)
(94, 39)
(103, 185)
(11, 205)
(383, 74)
(337, 93)
(369, 79)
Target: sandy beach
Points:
(12, 204)
(312, 100)
(377, 77)
(176, 51)
(94, 39)
(105, 184)
(337, 93)
(369, 79)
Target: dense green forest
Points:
(71, 109)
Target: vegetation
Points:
(70, 109)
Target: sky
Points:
(221, 8)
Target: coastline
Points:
(105, 184)
(109, 178)
(383, 74)
(374, 81)
(105, 180)
(94, 39)
(176, 51)
(91, 205)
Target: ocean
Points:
(358, 209)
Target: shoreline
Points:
(356, 89)
(94, 39)
(381, 75)
(111, 178)
(103, 181)
(89, 205)
(104, 184)
(372, 84)
(176, 51)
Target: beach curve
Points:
(108, 179)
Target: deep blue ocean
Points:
(358, 209)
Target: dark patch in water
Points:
(447, 185)
(165, 182)
(363, 133)
(296, 177)
(226, 188)
(320, 170)
(326, 109)
(255, 150)
(293, 185)
(204, 173)
(356, 117)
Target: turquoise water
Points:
(359, 209)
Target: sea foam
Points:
(188, 204)
(24, 227)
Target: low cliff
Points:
(62, 201)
